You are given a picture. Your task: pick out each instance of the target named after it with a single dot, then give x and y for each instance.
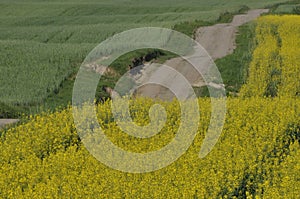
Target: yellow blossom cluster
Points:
(45, 158)
(256, 156)
(275, 68)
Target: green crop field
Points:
(60, 150)
(44, 42)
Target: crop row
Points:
(275, 69)
(256, 154)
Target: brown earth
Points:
(4, 122)
(218, 40)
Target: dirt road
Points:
(218, 40)
(4, 122)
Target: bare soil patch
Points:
(4, 122)
(218, 40)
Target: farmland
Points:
(277, 60)
(47, 41)
(257, 154)
(44, 156)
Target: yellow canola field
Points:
(275, 68)
(257, 155)
(45, 159)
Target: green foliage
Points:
(233, 68)
(272, 89)
(189, 28)
(47, 41)
(227, 17)
(34, 70)
(203, 91)
(288, 7)
(297, 9)
(7, 111)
